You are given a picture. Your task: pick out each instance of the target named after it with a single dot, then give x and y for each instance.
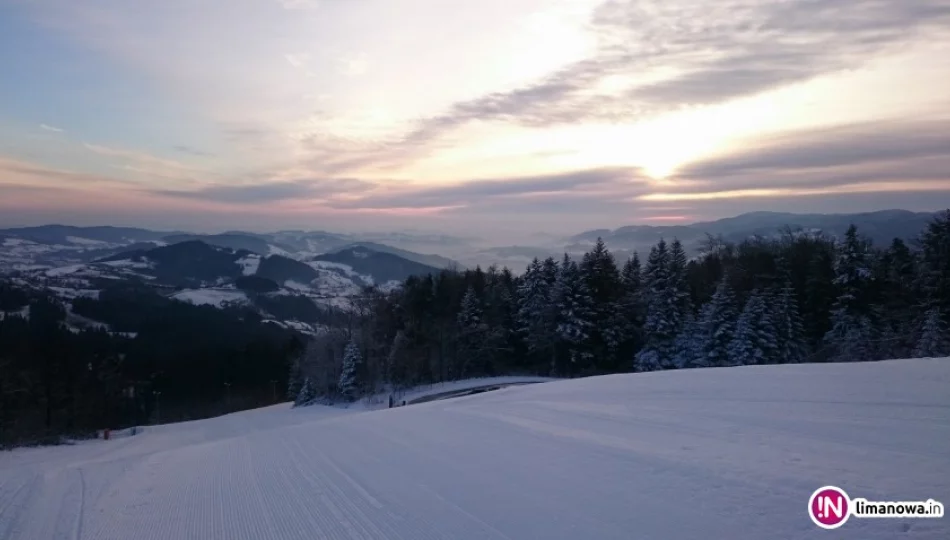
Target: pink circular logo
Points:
(829, 507)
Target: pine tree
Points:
(632, 274)
(501, 314)
(678, 277)
(688, 345)
(934, 339)
(680, 302)
(536, 319)
(717, 327)
(819, 293)
(549, 271)
(935, 263)
(899, 298)
(755, 341)
(852, 330)
(472, 334)
(789, 327)
(306, 395)
(349, 378)
(575, 314)
(599, 270)
(631, 303)
(537, 314)
(662, 324)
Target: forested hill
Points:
(141, 358)
(132, 356)
(382, 266)
(803, 297)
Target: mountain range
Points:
(881, 227)
(291, 272)
(59, 245)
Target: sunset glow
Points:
(405, 111)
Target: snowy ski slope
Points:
(702, 454)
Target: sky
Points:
(496, 117)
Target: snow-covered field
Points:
(249, 264)
(701, 454)
(214, 297)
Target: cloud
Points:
(149, 165)
(491, 192)
(715, 53)
(51, 128)
(192, 151)
(355, 65)
(297, 60)
(884, 157)
(299, 4)
(790, 192)
(903, 149)
(15, 172)
(874, 157)
(137, 156)
(302, 189)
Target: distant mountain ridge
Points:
(881, 227)
(65, 234)
(61, 245)
(383, 266)
(246, 242)
(435, 261)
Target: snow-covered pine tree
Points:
(754, 341)
(470, 312)
(306, 395)
(934, 278)
(688, 345)
(632, 274)
(631, 303)
(536, 313)
(575, 315)
(717, 327)
(899, 300)
(934, 339)
(678, 277)
(679, 302)
(789, 327)
(549, 271)
(600, 271)
(349, 378)
(472, 334)
(501, 323)
(852, 329)
(661, 325)
(819, 293)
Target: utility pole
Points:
(273, 389)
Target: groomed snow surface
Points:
(701, 454)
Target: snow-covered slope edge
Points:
(693, 454)
(381, 399)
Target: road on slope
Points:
(704, 454)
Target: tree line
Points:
(798, 297)
(157, 361)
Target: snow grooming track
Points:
(701, 454)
